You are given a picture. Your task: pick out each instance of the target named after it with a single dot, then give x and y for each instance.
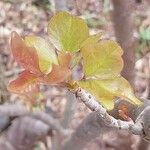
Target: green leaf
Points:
(67, 32)
(101, 58)
(106, 90)
(92, 39)
(45, 51)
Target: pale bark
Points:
(14, 110)
(30, 127)
(101, 122)
(23, 134)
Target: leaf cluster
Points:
(70, 44)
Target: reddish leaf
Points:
(26, 56)
(65, 59)
(60, 72)
(23, 84)
(26, 87)
(123, 112)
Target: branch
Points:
(16, 110)
(23, 134)
(110, 121)
(100, 122)
(123, 25)
(13, 110)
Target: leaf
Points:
(75, 60)
(92, 39)
(101, 59)
(23, 84)
(58, 75)
(59, 72)
(124, 112)
(102, 64)
(45, 51)
(67, 32)
(106, 90)
(65, 59)
(26, 56)
(27, 87)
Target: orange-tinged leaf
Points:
(123, 112)
(67, 32)
(26, 56)
(101, 59)
(59, 72)
(65, 59)
(46, 52)
(106, 90)
(58, 75)
(124, 108)
(23, 84)
(27, 87)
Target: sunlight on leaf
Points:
(45, 51)
(26, 56)
(99, 92)
(101, 59)
(67, 32)
(107, 90)
(59, 72)
(65, 59)
(92, 39)
(27, 87)
(23, 83)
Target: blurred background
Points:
(126, 21)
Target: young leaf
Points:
(105, 98)
(23, 83)
(26, 56)
(59, 72)
(67, 32)
(92, 39)
(26, 86)
(45, 51)
(106, 90)
(101, 59)
(65, 59)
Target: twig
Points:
(100, 122)
(92, 104)
(109, 120)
